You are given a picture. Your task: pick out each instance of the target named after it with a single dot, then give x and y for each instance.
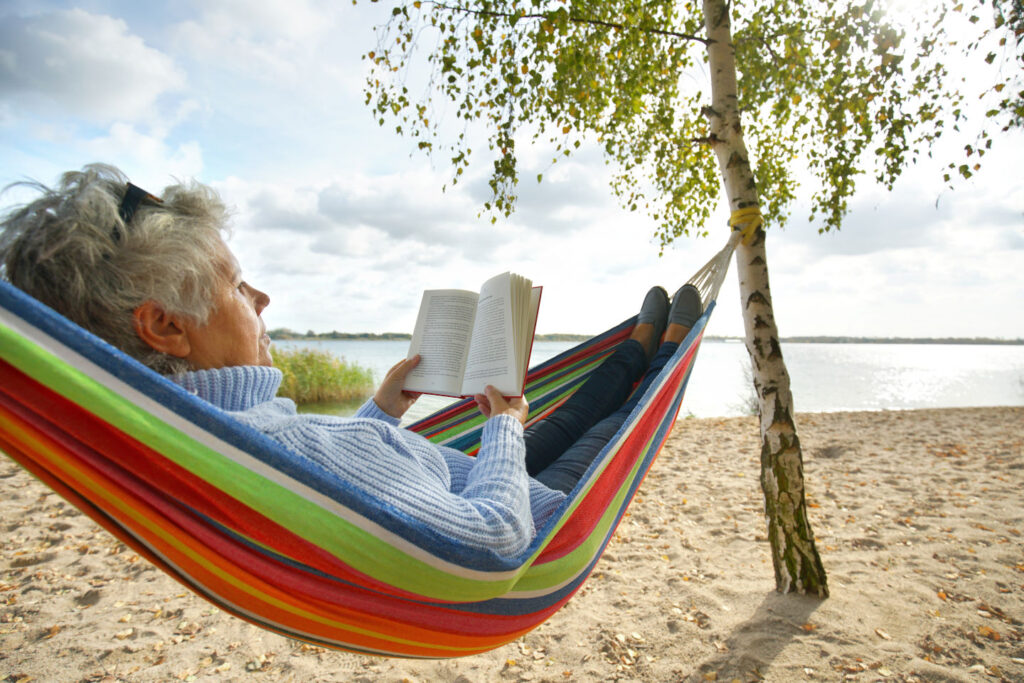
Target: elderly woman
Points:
(153, 277)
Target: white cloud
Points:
(401, 206)
(356, 213)
(295, 21)
(915, 292)
(74, 64)
(144, 157)
(293, 46)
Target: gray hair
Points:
(71, 250)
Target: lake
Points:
(825, 377)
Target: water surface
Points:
(825, 377)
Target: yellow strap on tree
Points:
(749, 217)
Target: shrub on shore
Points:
(312, 376)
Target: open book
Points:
(467, 340)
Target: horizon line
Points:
(284, 334)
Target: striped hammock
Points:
(267, 537)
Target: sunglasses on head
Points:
(133, 196)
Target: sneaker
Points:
(654, 311)
(686, 307)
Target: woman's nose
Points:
(260, 299)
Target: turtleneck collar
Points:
(233, 389)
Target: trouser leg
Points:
(565, 471)
(602, 394)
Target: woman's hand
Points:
(491, 403)
(390, 396)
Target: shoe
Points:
(686, 307)
(654, 311)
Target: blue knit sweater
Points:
(486, 502)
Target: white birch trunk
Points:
(798, 567)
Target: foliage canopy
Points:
(837, 89)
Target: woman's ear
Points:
(160, 330)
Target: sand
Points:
(919, 518)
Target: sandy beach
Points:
(919, 517)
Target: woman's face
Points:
(234, 333)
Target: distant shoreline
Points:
(981, 341)
(289, 335)
(278, 335)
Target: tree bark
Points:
(798, 566)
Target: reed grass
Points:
(312, 376)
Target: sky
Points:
(344, 225)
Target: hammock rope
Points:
(268, 537)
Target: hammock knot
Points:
(746, 220)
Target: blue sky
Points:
(344, 226)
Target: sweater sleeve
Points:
(372, 410)
(498, 483)
(489, 509)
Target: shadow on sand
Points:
(779, 621)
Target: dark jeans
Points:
(560, 448)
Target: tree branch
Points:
(574, 19)
(709, 140)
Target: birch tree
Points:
(688, 97)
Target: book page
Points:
(492, 354)
(524, 341)
(443, 331)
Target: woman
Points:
(154, 277)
